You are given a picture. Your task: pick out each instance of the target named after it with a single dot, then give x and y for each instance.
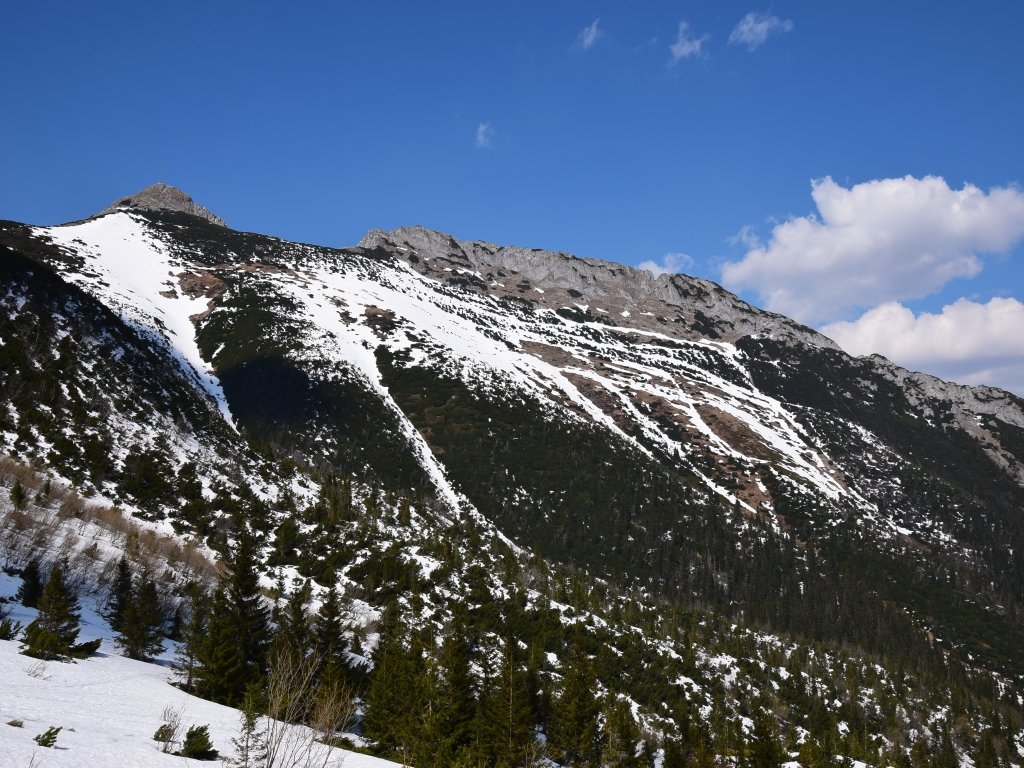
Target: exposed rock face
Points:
(677, 305)
(162, 196)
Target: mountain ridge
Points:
(420, 427)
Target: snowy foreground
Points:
(108, 708)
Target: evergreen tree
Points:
(120, 594)
(55, 629)
(18, 495)
(140, 633)
(765, 750)
(508, 710)
(293, 622)
(221, 672)
(456, 686)
(248, 613)
(328, 643)
(234, 651)
(251, 744)
(621, 737)
(387, 701)
(193, 636)
(811, 755)
(575, 729)
(31, 588)
(674, 755)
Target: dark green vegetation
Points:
(636, 586)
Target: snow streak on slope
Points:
(132, 272)
(685, 400)
(578, 370)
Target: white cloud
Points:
(687, 44)
(484, 136)
(746, 237)
(877, 242)
(672, 264)
(968, 342)
(589, 36)
(755, 28)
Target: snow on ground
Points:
(107, 707)
(134, 273)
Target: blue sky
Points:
(685, 135)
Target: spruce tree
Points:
(120, 594)
(621, 737)
(193, 636)
(674, 756)
(293, 622)
(508, 711)
(31, 588)
(55, 629)
(221, 674)
(251, 744)
(387, 699)
(456, 686)
(765, 750)
(328, 643)
(234, 651)
(575, 729)
(248, 613)
(140, 633)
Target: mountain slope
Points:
(507, 413)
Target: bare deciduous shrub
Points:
(170, 727)
(296, 694)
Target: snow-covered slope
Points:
(108, 708)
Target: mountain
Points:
(736, 520)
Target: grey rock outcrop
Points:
(677, 305)
(162, 196)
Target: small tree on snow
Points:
(55, 629)
(140, 633)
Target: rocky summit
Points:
(163, 197)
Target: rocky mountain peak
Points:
(162, 196)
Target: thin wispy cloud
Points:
(484, 136)
(687, 43)
(589, 35)
(755, 28)
(671, 264)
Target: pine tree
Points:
(193, 636)
(575, 730)
(221, 672)
(120, 594)
(248, 613)
(55, 629)
(328, 643)
(765, 751)
(141, 623)
(621, 737)
(293, 622)
(234, 651)
(31, 588)
(384, 700)
(508, 711)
